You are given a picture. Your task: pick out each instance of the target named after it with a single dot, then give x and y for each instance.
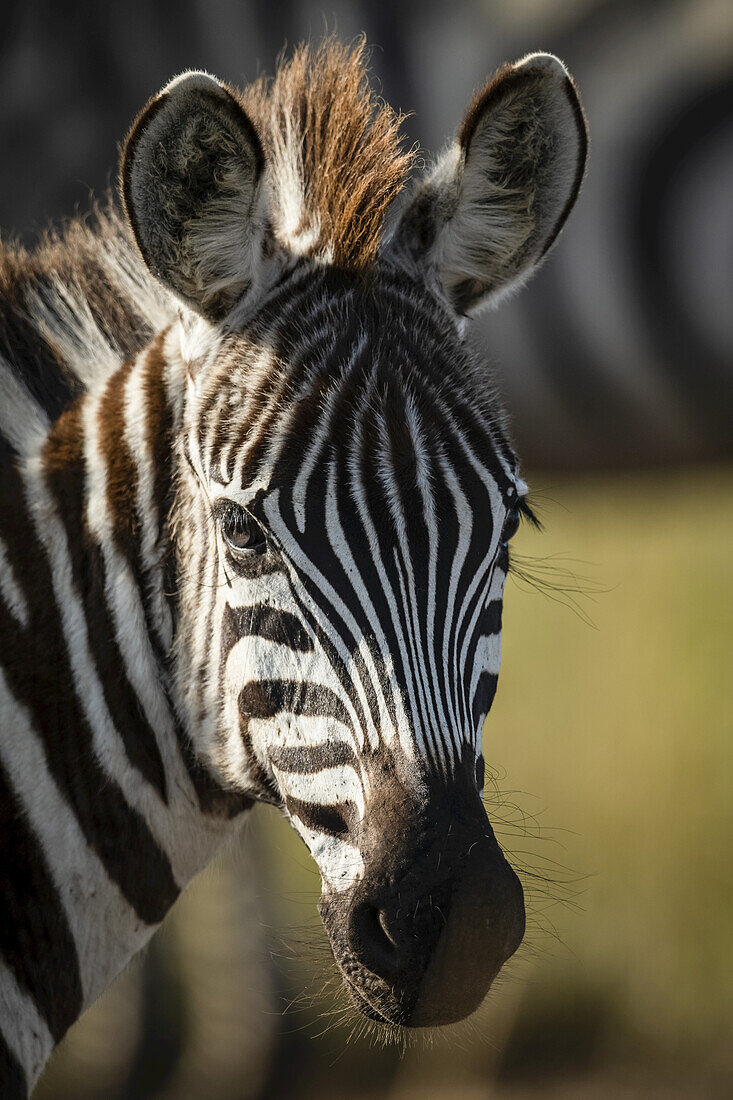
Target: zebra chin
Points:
(421, 936)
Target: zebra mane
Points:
(334, 149)
(77, 305)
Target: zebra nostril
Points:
(385, 929)
(373, 942)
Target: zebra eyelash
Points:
(527, 513)
(524, 513)
(518, 510)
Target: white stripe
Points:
(410, 604)
(165, 823)
(338, 538)
(340, 863)
(10, 590)
(22, 420)
(130, 627)
(299, 559)
(488, 659)
(493, 587)
(23, 1028)
(357, 490)
(464, 515)
(61, 314)
(417, 665)
(327, 787)
(253, 658)
(105, 928)
(493, 591)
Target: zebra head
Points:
(347, 490)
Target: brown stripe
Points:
(121, 483)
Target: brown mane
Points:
(322, 124)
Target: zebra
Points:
(256, 500)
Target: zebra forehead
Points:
(368, 374)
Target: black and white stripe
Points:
(382, 489)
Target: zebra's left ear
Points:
(190, 178)
(492, 207)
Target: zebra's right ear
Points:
(190, 178)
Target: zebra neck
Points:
(104, 810)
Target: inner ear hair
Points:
(527, 132)
(496, 201)
(189, 179)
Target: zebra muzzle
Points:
(421, 937)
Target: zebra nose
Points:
(429, 951)
(484, 928)
(373, 942)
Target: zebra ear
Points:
(190, 174)
(494, 204)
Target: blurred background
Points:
(611, 738)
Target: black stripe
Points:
(484, 695)
(344, 675)
(12, 1076)
(309, 759)
(470, 642)
(66, 479)
(491, 618)
(336, 819)
(266, 698)
(39, 674)
(262, 621)
(378, 506)
(35, 939)
(488, 626)
(49, 381)
(318, 549)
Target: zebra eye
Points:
(511, 524)
(240, 530)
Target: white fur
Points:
(106, 930)
(63, 317)
(24, 1030)
(22, 421)
(10, 590)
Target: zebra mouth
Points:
(420, 937)
(367, 1008)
